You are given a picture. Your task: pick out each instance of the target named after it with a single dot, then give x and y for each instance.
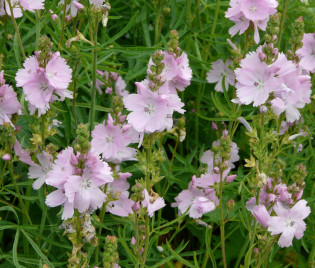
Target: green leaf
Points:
(37, 249)
(15, 245)
(12, 210)
(97, 107)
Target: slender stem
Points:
(63, 25)
(222, 221)
(147, 239)
(74, 96)
(43, 126)
(94, 62)
(3, 171)
(137, 238)
(157, 24)
(246, 43)
(285, 10)
(17, 30)
(22, 205)
(216, 14)
(267, 252)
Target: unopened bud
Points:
(261, 55)
(263, 109)
(136, 206)
(214, 126)
(78, 5)
(6, 157)
(216, 170)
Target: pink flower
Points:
(196, 201)
(112, 141)
(39, 84)
(289, 222)
(24, 156)
(121, 207)
(32, 4)
(74, 8)
(261, 214)
(149, 111)
(40, 172)
(62, 169)
(255, 80)
(151, 204)
(207, 157)
(219, 69)
(9, 103)
(57, 72)
(200, 205)
(176, 74)
(242, 12)
(307, 52)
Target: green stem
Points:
(267, 253)
(157, 24)
(222, 221)
(63, 25)
(43, 126)
(137, 239)
(285, 10)
(17, 30)
(216, 14)
(22, 205)
(74, 96)
(3, 171)
(94, 62)
(147, 239)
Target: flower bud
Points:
(216, 170)
(78, 5)
(231, 178)
(214, 126)
(6, 157)
(136, 206)
(263, 109)
(262, 56)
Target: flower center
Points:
(109, 139)
(252, 9)
(149, 109)
(86, 184)
(51, 75)
(44, 86)
(259, 84)
(289, 223)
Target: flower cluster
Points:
(40, 79)
(110, 78)
(153, 106)
(246, 12)
(18, 5)
(79, 180)
(9, 103)
(111, 140)
(281, 83)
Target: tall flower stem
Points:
(94, 62)
(63, 25)
(3, 171)
(74, 96)
(222, 221)
(17, 30)
(285, 10)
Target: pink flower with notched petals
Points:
(219, 69)
(255, 80)
(152, 205)
(40, 84)
(39, 172)
(9, 103)
(57, 72)
(32, 4)
(289, 222)
(243, 12)
(111, 141)
(307, 52)
(148, 111)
